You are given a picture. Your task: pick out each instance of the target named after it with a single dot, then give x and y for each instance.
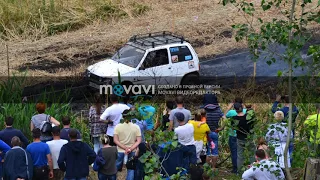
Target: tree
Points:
(289, 30)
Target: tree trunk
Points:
(312, 169)
(288, 174)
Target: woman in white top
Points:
(277, 137)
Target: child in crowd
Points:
(203, 121)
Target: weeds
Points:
(49, 17)
(11, 93)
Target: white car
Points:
(157, 58)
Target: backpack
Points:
(46, 126)
(99, 161)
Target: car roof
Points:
(152, 40)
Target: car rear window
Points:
(180, 54)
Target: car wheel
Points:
(190, 79)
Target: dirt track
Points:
(206, 23)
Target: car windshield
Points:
(129, 55)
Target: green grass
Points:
(48, 17)
(11, 95)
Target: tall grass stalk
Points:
(25, 18)
(12, 105)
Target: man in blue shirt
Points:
(40, 154)
(285, 108)
(64, 133)
(9, 132)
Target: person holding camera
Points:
(285, 107)
(230, 113)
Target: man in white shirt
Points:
(113, 115)
(263, 169)
(55, 146)
(184, 131)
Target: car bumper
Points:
(95, 81)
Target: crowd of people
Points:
(119, 139)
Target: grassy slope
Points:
(206, 23)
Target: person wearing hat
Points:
(184, 131)
(213, 117)
(185, 134)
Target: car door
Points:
(155, 68)
(183, 61)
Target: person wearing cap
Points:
(185, 134)
(127, 137)
(244, 128)
(213, 117)
(184, 131)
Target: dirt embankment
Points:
(206, 23)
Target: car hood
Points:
(109, 67)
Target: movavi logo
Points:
(121, 90)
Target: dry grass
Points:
(206, 23)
